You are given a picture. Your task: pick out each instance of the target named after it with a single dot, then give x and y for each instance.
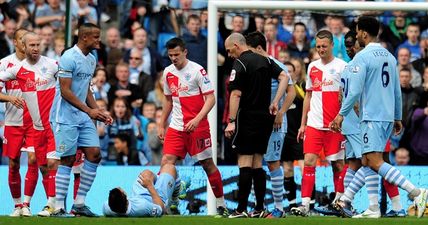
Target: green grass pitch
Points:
(205, 220)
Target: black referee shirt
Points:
(252, 74)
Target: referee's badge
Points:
(232, 75)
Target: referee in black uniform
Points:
(251, 114)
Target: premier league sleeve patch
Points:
(232, 75)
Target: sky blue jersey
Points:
(274, 89)
(375, 82)
(80, 68)
(351, 122)
(140, 204)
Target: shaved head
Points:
(235, 44)
(28, 36)
(236, 38)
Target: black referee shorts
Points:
(291, 150)
(252, 132)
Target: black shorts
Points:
(291, 150)
(252, 132)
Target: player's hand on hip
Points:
(191, 125)
(398, 127)
(301, 133)
(230, 130)
(18, 102)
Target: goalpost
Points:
(215, 5)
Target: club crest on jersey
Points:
(187, 77)
(332, 71)
(61, 147)
(232, 75)
(44, 69)
(154, 211)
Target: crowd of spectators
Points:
(132, 57)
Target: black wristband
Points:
(232, 120)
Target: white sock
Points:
(396, 203)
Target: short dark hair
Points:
(350, 38)
(324, 34)
(117, 201)
(86, 28)
(255, 39)
(174, 42)
(368, 24)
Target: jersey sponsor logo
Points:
(176, 89)
(83, 76)
(232, 75)
(10, 65)
(318, 84)
(203, 72)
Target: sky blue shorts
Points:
(68, 137)
(353, 146)
(374, 135)
(274, 147)
(165, 185)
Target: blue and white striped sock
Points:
(393, 176)
(277, 180)
(177, 185)
(87, 177)
(356, 184)
(372, 185)
(350, 173)
(62, 180)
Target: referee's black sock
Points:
(244, 185)
(259, 180)
(290, 188)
